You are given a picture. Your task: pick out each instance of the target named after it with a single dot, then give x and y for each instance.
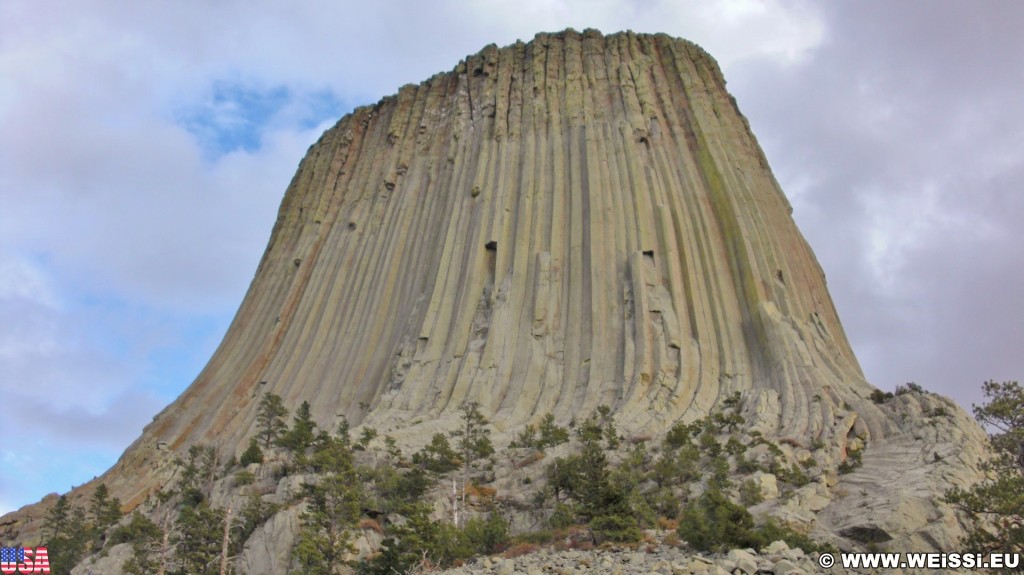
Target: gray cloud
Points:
(902, 137)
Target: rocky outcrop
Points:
(653, 556)
(551, 226)
(269, 549)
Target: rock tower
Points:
(576, 221)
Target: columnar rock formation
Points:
(551, 226)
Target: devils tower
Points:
(551, 226)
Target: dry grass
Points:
(485, 493)
(667, 524)
(520, 549)
(372, 524)
(531, 458)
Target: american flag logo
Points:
(10, 557)
(19, 560)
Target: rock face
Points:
(549, 227)
(552, 226)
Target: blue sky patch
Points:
(235, 115)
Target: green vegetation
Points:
(438, 456)
(854, 459)
(879, 396)
(604, 490)
(270, 418)
(997, 504)
(71, 532)
(300, 437)
(714, 523)
(473, 438)
(547, 434)
(252, 453)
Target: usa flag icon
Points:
(20, 560)
(10, 557)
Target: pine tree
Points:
(997, 503)
(550, 433)
(474, 439)
(438, 456)
(252, 453)
(270, 418)
(198, 473)
(72, 541)
(69, 535)
(145, 537)
(198, 541)
(302, 433)
(474, 442)
(105, 511)
(333, 508)
(57, 517)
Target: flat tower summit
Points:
(577, 221)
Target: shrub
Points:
(139, 529)
(520, 549)
(252, 453)
(793, 475)
(618, 527)
(714, 523)
(774, 530)
(438, 456)
(909, 387)
(486, 536)
(551, 434)
(750, 493)
(563, 517)
(854, 459)
(879, 396)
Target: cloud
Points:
(906, 166)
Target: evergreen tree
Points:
(366, 437)
(72, 541)
(714, 523)
(550, 433)
(69, 535)
(57, 517)
(270, 418)
(438, 456)
(997, 503)
(392, 449)
(397, 491)
(302, 433)
(609, 507)
(198, 473)
(252, 453)
(105, 511)
(198, 541)
(474, 439)
(331, 453)
(145, 538)
(332, 509)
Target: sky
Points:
(145, 147)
